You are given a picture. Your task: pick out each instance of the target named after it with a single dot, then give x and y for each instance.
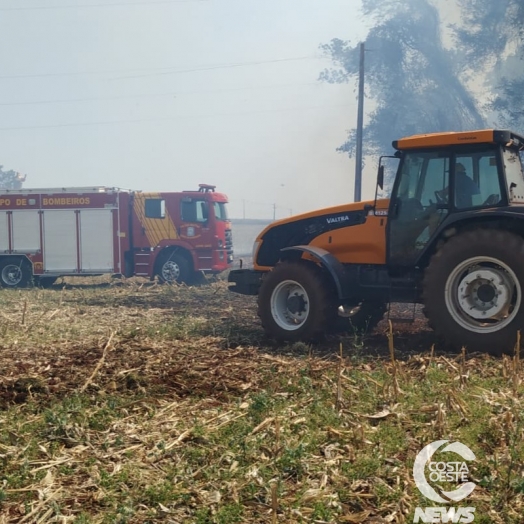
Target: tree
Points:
(411, 77)
(492, 37)
(11, 179)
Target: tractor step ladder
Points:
(411, 313)
(409, 319)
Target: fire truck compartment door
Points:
(4, 231)
(60, 245)
(26, 231)
(96, 240)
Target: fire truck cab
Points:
(48, 233)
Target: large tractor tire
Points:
(473, 290)
(295, 302)
(15, 272)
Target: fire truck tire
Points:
(473, 290)
(174, 268)
(294, 302)
(15, 272)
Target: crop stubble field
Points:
(130, 402)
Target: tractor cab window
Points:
(488, 181)
(477, 181)
(410, 177)
(436, 179)
(194, 210)
(418, 207)
(514, 176)
(422, 175)
(465, 187)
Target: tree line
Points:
(425, 76)
(11, 179)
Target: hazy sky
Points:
(163, 95)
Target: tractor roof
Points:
(483, 136)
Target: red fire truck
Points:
(48, 233)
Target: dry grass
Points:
(125, 402)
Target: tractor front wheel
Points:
(473, 290)
(294, 302)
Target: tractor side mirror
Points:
(380, 177)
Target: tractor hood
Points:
(302, 229)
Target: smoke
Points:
(413, 73)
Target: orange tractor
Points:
(451, 237)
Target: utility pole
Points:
(360, 124)
(274, 212)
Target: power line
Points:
(160, 119)
(160, 69)
(229, 66)
(265, 204)
(107, 4)
(152, 95)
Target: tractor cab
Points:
(449, 176)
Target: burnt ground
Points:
(132, 330)
(127, 401)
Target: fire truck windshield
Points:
(220, 211)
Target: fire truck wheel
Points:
(174, 268)
(473, 290)
(294, 302)
(15, 272)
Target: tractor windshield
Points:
(514, 176)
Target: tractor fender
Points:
(328, 262)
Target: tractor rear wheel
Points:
(294, 302)
(473, 290)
